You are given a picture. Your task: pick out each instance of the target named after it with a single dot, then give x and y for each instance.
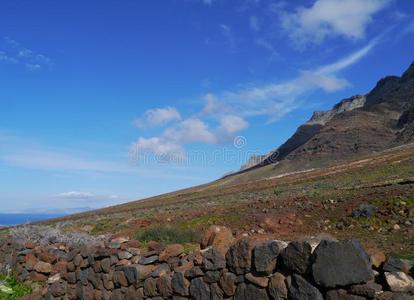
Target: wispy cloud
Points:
(16, 53)
(77, 195)
(329, 18)
(229, 37)
(157, 117)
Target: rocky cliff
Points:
(356, 126)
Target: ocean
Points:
(16, 219)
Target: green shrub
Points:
(166, 235)
(11, 289)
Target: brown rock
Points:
(120, 278)
(30, 261)
(277, 287)
(378, 259)
(220, 237)
(171, 251)
(228, 283)
(164, 286)
(60, 267)
(47, 257)
(259, 281)
(43, 267)
(150, 287)
(37, 277)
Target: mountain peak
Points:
(409, 73)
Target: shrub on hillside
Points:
(167, 235)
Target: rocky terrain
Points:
(225, 268)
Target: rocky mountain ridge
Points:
(356, 126)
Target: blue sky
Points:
(104, 102)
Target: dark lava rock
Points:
(341, 295)
(164, 286)
(239, 257)
(265, 257)
(367, 290)
(199, 290)
(365, 210)
(297, 257)
(148, 260)
(216, 292)
(213, 260)
(150, 287)
(228, 283)
(340, 264)
(300, 289)
(194, 272)
(394, 264)
(250, 291)
(212, 276)
(277, 287)
(180, 284)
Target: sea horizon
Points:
(12, 219)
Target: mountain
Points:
(356, 126)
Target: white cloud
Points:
(164, 149)
(328, 18)
(158, 116)
(21, 55)
(230, 125)
(170, 145)
(275, 100)
(6, 58)
(191, 130)
(76, 195)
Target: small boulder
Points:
(277, 287)
(394, 264)
(369, 290)
(296, 257)
(213, 259)
(228, 283)
(43, 267)
(239, 257)
(377, 259)
(199, 289)
(265, 257)
(148, 260)
(340, 264)
(219, 237)
(259, 281)
(250, 291)
(171, 251)
(180, 284)
(299, 288)
(399, 282)
(364, 210)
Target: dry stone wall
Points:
(277, 270)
